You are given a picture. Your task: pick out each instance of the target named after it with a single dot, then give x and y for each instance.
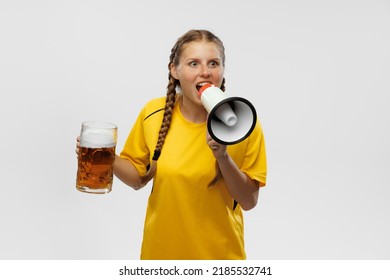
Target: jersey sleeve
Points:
(143, 136)
(255, 160)
(135, 149)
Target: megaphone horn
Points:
(231, 119)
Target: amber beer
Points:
(96, 157)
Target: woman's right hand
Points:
(78, 146)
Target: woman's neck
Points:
(192, 112)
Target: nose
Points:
(205, 71)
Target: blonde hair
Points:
(174, 59)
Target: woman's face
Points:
(200, 63)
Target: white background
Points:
(317, 72)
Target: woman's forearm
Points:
(125, 171)
(242, 188)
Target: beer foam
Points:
(97, 139)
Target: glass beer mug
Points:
(96, 157)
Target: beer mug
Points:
(96, 157)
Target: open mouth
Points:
(198, 86)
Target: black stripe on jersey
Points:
(153, 113)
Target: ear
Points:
(174, 71)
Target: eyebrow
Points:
(193, 58)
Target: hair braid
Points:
(169, 104)
(223, 85)
(167, 118)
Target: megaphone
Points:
(231, 119)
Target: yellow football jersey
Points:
(186, 219)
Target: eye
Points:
(214, 64)
(193, 63)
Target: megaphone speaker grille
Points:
(232, 134)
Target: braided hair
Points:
(174, 59)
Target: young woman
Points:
(200, 187)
